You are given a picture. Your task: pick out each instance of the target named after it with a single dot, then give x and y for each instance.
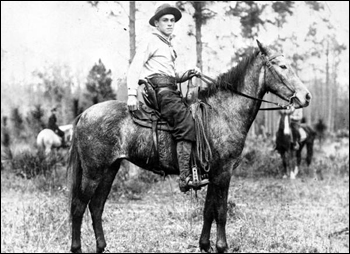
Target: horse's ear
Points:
(262, 48)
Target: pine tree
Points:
(99, 84)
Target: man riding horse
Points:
(155, 62)
(296, 116)
(53, 126)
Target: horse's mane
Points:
(232, 80)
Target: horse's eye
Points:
(283, 67)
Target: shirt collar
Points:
(162, 35)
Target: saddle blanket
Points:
(303, 134)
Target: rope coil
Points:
(200, 114)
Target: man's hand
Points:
(196, 72)
(133, 102)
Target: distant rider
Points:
(295, 120)
(53, 126)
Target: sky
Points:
(61, 32)
(37, 33)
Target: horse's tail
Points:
(74, 172)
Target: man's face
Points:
(165, 24)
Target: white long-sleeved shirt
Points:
(154, 56)
(297, 115)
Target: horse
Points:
(291, 157)
(47, 139)
(105, 134)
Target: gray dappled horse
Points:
(105, 134)
(291, 158)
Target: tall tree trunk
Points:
(198, 6)
(328, 98)
(132, 35)
(335, 93)
(317, 103)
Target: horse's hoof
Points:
(210, 250)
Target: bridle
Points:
(266, 64)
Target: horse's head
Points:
(281, 80)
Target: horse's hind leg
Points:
(310, 151)
(298, 153)
(79, 204)
(285, 165)
(97, 203)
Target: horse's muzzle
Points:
(302, 100)
(308, 97)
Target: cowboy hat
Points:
(163, 10)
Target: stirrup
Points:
(197, 182)
(198, 185)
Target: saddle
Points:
(148, 116)
(302, 133)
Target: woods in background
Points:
(218, 32)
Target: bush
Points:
(34, 120)
(333, 166)
(17, 122)
(132, 186)
(343, 133)
(259, 159)
(29, 165)
(5, 132)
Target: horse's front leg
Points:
(298, 154)
(285, 165)
(208, 217)
(216, 208)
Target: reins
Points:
(210, 81)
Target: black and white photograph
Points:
(175, 126)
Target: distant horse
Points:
(47, 139)
(105, 134)
(292, 158)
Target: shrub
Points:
(132, 186)
(34, 120)
(17, 122)
(5, 132)
(29, 165)
(259, 160)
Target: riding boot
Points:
(295, 137)
(295, 143)
(183, 149)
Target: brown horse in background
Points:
(105, 134)
(291, 158)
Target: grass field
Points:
(266, 214)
